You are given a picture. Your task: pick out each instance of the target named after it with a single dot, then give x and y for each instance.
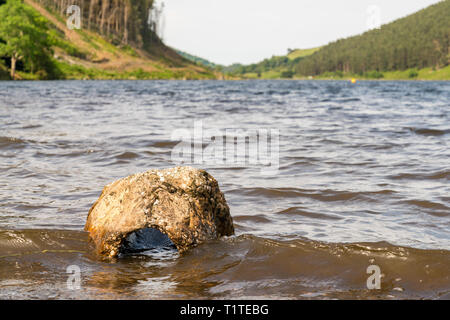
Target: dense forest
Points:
(125, 21)
(417, 41)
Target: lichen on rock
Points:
(184, 203)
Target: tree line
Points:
(123, 21)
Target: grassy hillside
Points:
(274, 68)
(414, 47)
(222, 72)
(301, 53)
(198, 60)
(92, 54)
(277, 67)
(409, 74)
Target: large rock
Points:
(184, 203)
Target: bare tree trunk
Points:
(117, 19)
(125, 22)
(62, 5)
(13, 67)
(91, 13)
(105, 5)
(110, 19)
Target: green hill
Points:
(114, 42)
(416, 46)
(301, 53)
(272, 68)
(198, 60)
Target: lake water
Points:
(362, 180)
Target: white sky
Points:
(247, 31)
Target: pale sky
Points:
(248, 31)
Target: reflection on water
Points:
(363, 180)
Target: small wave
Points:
(321, 195)
(163, 144)
(32, 126)
(168, 93)
(258, 93)
(272, 92)
(127, 155)
(432, 90)
(428, 204)
(308, 214)
(11, 142)
(232, 91)
(73, 154)
(429, 132)
(258, 218)
(269, 192)
(294, 165)
(348, 100)
(422, 176)
(322, 265)
(24, 242)
(239, 109)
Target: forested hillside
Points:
(418, 41)
(124, 21)
(414, 47)
(118, 39)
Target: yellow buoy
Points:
(353, 80)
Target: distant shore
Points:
(409, 74)
(76, 72)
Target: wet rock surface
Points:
(184, 203)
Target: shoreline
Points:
(177, 79)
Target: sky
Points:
(248, 31)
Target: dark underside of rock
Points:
(184, 204)
(145, 240)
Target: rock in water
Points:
(184, 203)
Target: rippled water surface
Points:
(363, 180)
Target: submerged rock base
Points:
(144, 240)
(183, 203)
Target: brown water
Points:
(363, 180)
